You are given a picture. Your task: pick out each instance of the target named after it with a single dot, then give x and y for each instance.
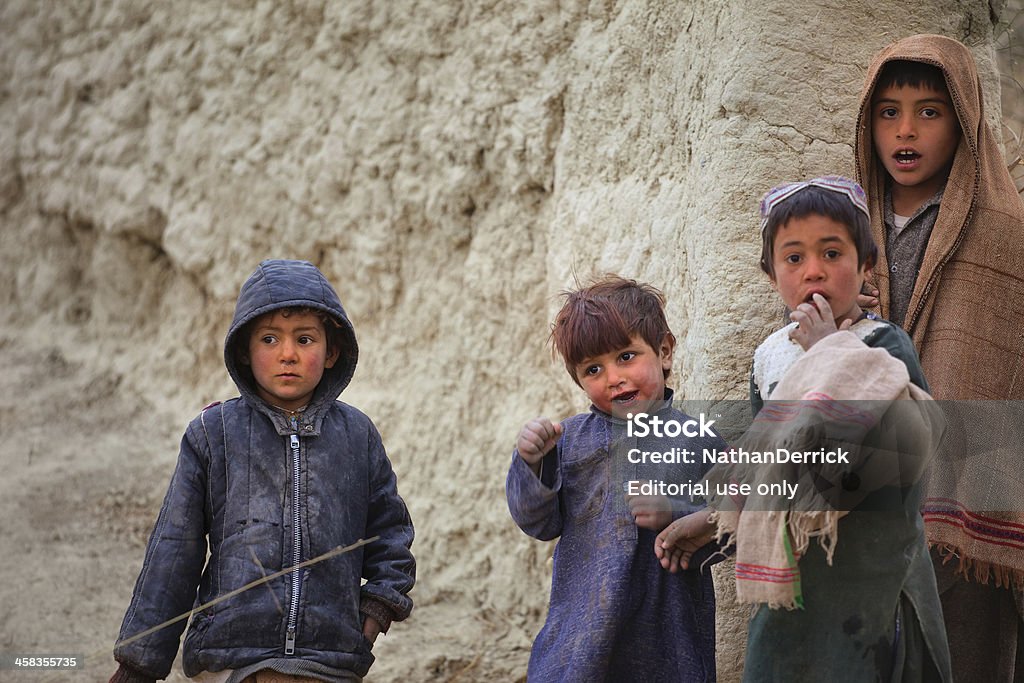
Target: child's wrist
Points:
(533, 465)
(381, 613)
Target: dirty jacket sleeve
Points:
(388, 565)
(167, 585)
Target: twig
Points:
(252, 584)
(263, 571)
(340, 550)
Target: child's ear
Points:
(332, 357)
(665, 351)
(865, 270)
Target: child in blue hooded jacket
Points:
(279, 476)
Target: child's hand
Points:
(814, 322)
(371, 629)
(868, 297)
(650, 512)
(537, 437)
(682, 538)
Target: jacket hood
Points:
(278, 284)
(978, 177)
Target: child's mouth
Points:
(906, 157)
(625, 398)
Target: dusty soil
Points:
(80, 490)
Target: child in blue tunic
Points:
(615, 614)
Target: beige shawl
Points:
(831, 397)
(966, 313)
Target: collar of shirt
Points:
(890, 220)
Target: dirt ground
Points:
(77, 505)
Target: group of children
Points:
(937, 244)
(288, 480)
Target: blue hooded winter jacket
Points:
(267, 491)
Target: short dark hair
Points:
(900, 73)
(817, 201)
(603, 316)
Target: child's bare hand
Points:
(814, 322)
(682, 538)
(650, 512)
(868, 297)
(537, 437)
(371, 629)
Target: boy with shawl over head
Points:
(950, 224)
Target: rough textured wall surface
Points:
(451, 167)
(1009, 41)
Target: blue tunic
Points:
(614, 613)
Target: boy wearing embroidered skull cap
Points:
(817, 251)
(845, 592)
(280, 476)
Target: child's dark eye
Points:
(832, 254)
(792, 258)
(628, 356)
(268, 339)
(887, 112)
(930, 113)
(306, 340)
(592, 370)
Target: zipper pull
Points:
(295, 442)
(289, 642)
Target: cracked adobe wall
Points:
(451, 166)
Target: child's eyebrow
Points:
(924, 100)
(275, 328)
(823, 240)
(591, 360)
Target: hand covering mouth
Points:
(809, 299)
(625, 397)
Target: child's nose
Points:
(288, 351)
(814, 269)
(906, 129)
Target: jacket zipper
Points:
(293, 609)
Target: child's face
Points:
(815, 254)
(627, 380)
(916, 133)
(288, 356)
